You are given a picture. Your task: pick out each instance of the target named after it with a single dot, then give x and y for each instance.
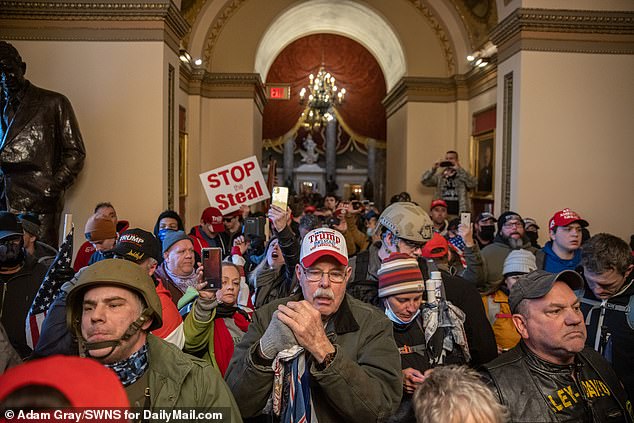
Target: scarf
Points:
(132, 368)
(182, 282)
(290, 398)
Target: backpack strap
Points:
(361, 265)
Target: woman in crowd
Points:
(273, 277)
(216, 322)
(496, 300)
(401, 288)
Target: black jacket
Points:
(17, 292)
(537, 391)
(616, 337)
(41, 153)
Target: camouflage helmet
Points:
(406, 221)
(119, 273)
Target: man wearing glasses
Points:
(510, 236)
(339, 352)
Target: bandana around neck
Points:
(132, 368)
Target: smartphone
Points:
(446, 163)
(212, 268)
(254, 226)
(280, 197)
(465, 219)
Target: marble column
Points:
(289, 161)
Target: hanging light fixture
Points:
(323, 94)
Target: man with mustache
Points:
(340, 352)
(550, 375)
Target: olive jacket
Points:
(363, 383)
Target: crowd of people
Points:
(335, 311)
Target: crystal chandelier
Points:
(322, 96)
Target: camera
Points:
(446, 163)
(332, 221)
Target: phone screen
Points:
(212, 268)
(465, 219)
(280, 197)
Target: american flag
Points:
(53, 281)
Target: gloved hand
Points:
(276, 338)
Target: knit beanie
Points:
(519, 261)
(399, 274)
(172, 237)
(100, 228)
(506, 216)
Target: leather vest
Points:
(521, 380)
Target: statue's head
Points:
(12, 68)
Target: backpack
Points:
(359, 286)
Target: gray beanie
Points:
(519, 261)
(172, 237)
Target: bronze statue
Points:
(41, 148)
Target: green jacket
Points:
(180, 380)
(362, 384)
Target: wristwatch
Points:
(329, 358)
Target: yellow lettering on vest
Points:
(563, 398)
(571, 393)
(556, 407)
(588, 388)
(603, 387)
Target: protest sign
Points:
(228, 187)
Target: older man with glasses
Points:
(340, 353)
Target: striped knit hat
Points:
(399, 274)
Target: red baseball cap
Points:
(322, 242)
(213, 216)
(436, 203)
(435, 248)
(564, 218)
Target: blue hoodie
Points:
(554, 264)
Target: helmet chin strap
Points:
(134, 327)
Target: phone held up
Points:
(465, 219)
(212, 268)
(280, 197)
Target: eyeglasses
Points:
(510, 225)
(228, 219)
(315, 275)
(412, 244)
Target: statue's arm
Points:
(71, 146)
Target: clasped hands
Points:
(296, 323)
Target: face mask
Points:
(393, 317)
(369, 232)
(487, 233)
(11, 254)
(532, 236)
(162, 233)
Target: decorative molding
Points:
(98, 20)
(223, 85)
(438, 28)
(440, 90)
(579, 31)
(216, 28)
(507, 141)
(477, 27)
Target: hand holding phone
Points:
(212, 268)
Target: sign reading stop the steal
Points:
(228, 187)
